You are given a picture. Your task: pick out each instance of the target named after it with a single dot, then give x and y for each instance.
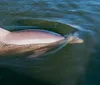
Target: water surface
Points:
(77, 64)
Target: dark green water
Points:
(77, 64)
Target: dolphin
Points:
(32, 43)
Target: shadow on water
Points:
(92, 72)
(11, 77)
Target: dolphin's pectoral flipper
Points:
(38, 53)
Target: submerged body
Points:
(31, 43)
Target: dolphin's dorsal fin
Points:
(3, 32)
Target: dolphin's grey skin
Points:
(31, 43)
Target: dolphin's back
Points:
(31, 37)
